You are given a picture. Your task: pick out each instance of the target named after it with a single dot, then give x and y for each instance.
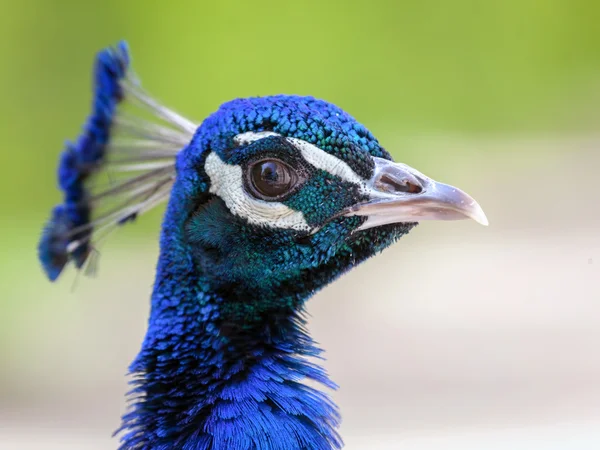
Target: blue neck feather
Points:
(207, 379)
(226, 355)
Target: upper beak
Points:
(399, 193)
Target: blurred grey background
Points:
(459, 336)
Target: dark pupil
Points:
(271, 178)
(268, 172)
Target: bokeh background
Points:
(459, 336)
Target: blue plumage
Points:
(269, 200)
(78, 162)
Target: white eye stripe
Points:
(227, 182)
(251, 136)
(313, 155)
(320, 159)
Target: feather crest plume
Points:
(121, 165)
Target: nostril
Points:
(392, 184)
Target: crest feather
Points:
(121, 166)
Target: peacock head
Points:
(277, 196)
(271, 198)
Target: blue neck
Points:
(226, 354)
(205, 382)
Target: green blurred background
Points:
(468, 90)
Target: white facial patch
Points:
(227, 182)
(320, 159)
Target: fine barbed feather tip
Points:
(119, 167)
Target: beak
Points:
(399, 193)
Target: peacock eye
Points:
(271, 179)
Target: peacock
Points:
(269, 200)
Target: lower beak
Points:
(399, 193)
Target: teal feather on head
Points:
(269, 200)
